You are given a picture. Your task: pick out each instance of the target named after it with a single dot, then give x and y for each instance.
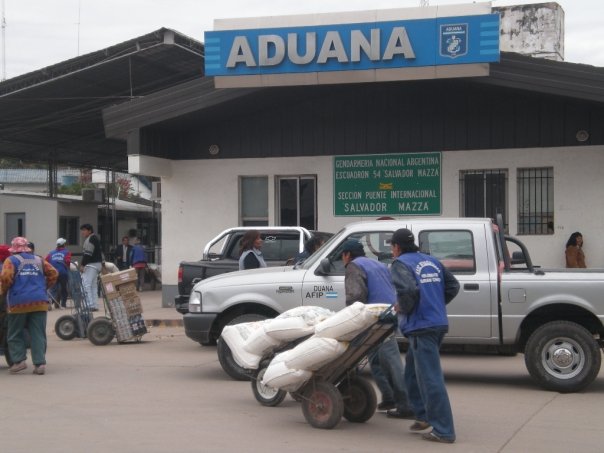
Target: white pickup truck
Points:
(554, 316)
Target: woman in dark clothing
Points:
(250, 254)
(574, 251)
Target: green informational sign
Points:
(387, 184)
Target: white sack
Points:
(347, 323)
(309, 313)
(279, 376)
(235, 337)
(259, 342)
(288, 329)
(313, 353)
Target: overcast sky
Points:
(40, 33)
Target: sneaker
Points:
(17, 367)
(419, 425)
(40, 369)
(386, 405)
(398, 413)
(432, 436)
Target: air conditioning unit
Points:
(156, 190)
(93, 195)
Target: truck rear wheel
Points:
(562, 356)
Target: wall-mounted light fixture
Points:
(582, 135)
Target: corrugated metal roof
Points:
(55, 112)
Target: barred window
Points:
(536, 200)
(69, 228)
(484, 193)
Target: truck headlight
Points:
(195, 302)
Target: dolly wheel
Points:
(66, 328)
(265, 395)
(359, 399)
(100, 331)
(322, 405)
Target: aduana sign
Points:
(379, 45)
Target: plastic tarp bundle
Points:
(291, 369)
(250, 341)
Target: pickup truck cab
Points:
(221, 255)
(554, 316)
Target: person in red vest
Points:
(25, 278)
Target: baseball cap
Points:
(61, 241)
(352, 245)
(402, 236)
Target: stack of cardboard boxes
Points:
(124, 304)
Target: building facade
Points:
(519, 137)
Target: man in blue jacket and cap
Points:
(368, 281)
(423, 288)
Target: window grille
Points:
(535, 201)
(484, 193)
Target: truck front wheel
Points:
(562, 356)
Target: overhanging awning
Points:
(55, 113)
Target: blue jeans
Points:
(36, 325)
(90, 284)
(389, 373)
(426, 383)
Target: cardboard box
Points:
(112, 282)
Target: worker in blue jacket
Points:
(138, 261)
(60, 259)
(25, 278)
(423, 288)
(368, 281)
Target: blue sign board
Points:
(349, 47)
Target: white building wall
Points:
(200, 198)
(41, 224)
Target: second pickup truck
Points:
(221, 255)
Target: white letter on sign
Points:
(263, 44)
(240, 53)
(358, 42)
(398, 44)
(292, 48)
(332, 48)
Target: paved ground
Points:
(168, 394)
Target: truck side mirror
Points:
(324, 267)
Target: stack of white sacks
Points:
(289, 370)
